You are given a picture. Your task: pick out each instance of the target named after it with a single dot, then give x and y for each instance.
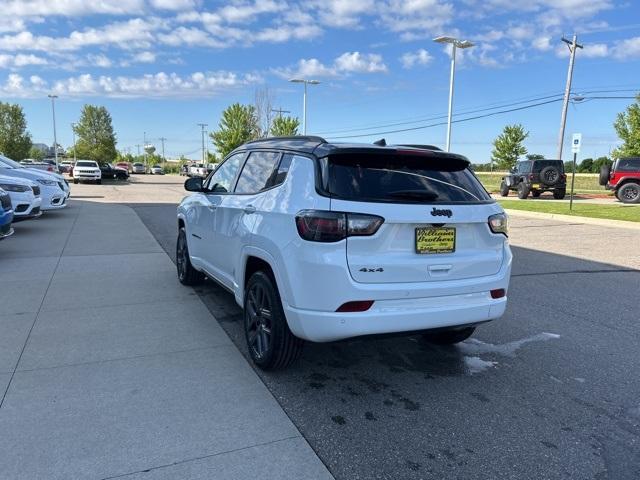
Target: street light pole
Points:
(304, 99)
(202, 126)
(162, 140)
(73, 131)
(455, 44)
(573, 45)
(55, 137)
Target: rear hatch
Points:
(435, 216)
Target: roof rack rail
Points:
(424, 147)
(301, 138)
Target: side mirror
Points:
(193, 184)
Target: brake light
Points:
(324, 226)
(531, 176)
(498, 293)
(357, 306)
(499, 223)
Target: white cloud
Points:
(342, 13)
(198, 84)
(29, 8)
(416, 19)
(358, 62)
(144, 57)
(542, 43)
(172, 4)
(627, 49)
(127, 34)
(244, 12)
(100, 60)
(419, 57)
(190, 36)
(20, 60)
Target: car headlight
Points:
(46, 182)
(14, 188)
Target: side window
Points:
(221, 180)
(283, 169)
(257, 172)
(628, 165)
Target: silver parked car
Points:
(138, 168)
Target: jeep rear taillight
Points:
(324, 226)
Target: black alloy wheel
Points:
(629, 193)
(258, 321)
(187, 275)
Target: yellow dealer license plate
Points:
(435, 240)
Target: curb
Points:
(575, 219)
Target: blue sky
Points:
(162, 66)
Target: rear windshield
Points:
(86, 164)
(402, 179)
(538, 165)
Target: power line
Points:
(422, 127)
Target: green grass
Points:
(630, 213)
(585, 183)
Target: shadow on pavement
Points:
(549, 390)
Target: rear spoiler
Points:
(432, 158)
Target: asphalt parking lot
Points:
(549, 391)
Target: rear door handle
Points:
(249, 209)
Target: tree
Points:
(627, 127)
(36, 153)
(535, 156)
(285, 126)
(15, 141)
(263, 104)
(238, 125)
(586, 166)
(508, 147)
(599, 162)
(96, 140)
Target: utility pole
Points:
(162, 140)
(573, 45)
(55, 138)
(280, 111)
(73, 130)
(202, 126)
(144, 150)
(138, 147)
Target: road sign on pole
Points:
(576, 142)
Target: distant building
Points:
(42, 147)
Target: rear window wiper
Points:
(414, 194)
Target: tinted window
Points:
(628, 165)
(221, 180)
(86, 164)
(257, 172)
(283, 169)
(539, 165)
(525, 167)
(402, 179)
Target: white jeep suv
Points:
(321, 242)
(87, 170)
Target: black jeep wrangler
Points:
(536, 176)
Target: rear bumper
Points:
(392, 316)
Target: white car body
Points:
(138, 168)
(408, 291)
(53, 189)
(157, 170)
(86, 170)
(198, 171)
(25, 196)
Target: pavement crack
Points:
(202, 457)
(574, 272)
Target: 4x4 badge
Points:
(441, 213)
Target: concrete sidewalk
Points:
(110, 368)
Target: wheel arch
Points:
(254, 259)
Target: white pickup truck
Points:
(198, 170)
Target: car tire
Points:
(187, 275)
(550, 175)
(271, 344)
(536, 193)
(504, 189)
(629, 193)
(559, 194)
(523, 190)
(605, 174)
(449, 337)
(75, 181)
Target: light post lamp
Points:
(73, 131)
(304, 100)
(55, 138)
(455, 44)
